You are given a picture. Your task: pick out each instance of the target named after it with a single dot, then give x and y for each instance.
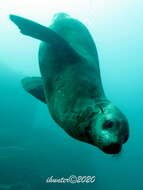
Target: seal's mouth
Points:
(112, 149)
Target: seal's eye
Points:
(108, 124)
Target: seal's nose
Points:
(113, 148)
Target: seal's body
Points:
(71, 83)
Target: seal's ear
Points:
(34, 86)
(45, 34)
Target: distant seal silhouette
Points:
(71, 83)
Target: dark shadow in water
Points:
(17, 111)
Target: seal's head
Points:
(108, 129)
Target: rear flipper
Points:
(44, 34)
(34, 86)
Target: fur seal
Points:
(70, 83)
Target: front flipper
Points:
(34, 86)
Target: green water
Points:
(32, 146)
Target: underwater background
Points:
(32, 146)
